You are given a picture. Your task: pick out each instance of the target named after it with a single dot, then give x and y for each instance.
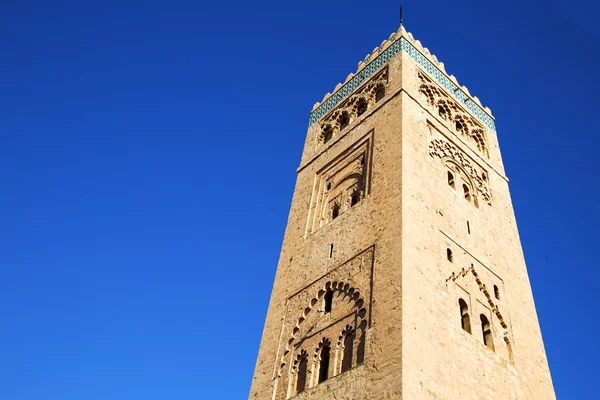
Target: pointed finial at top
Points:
(401, 15)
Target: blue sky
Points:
(147, 162)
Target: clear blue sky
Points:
(147, 161)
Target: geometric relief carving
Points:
(309, 329)
(341, 184)
(462, 122)
(380, 57)
(450, 153)
(352, 108)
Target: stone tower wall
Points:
(384, 256)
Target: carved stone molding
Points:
(348, 111)
(307, 325)
(444, 150)
(438, 100)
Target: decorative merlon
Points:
(402, 41)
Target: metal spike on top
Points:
(401, 15)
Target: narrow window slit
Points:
(335, 211)
(362, 107)
(327, 134)
(467, 192)
(328, 300)
(465, 320)
(348, 351)
(302, 372)
(451, 179)
(324, 364)
(487, 332)
(379, 94)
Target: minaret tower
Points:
(401, 273)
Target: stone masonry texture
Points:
(401, 212)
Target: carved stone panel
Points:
(448, 152)
(341, 184)
(310, 324)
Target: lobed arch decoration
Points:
(429, 92)
(345, 194)
(443, 106)
(327, 133)
(449, 110)
(459, 171)
(322, 361)
(299, 373)
(478, 137)
(447, 153)
(354, 106)
(489, 297)
(343, 292)
(345, 347)
(359, 106)
(464, 122)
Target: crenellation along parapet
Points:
(395, 39)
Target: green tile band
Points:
(380, 61)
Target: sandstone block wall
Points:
(383, 252)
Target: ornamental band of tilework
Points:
(380, 61)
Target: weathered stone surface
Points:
(385, 258)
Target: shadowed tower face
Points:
(401, 273)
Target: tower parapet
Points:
(398, 41)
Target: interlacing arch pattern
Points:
(453, 112)
(477, 136)
(344, 289)
(447, 151)
(430, 92)
(442, 105)
(349, 108)
(357, 106)
(465, 124)
(482, 287)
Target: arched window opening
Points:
(467, 192)
(328, 300)
(451, 179)
(327, 134)
(335, 211)
(344, 122)
(379, 94)
(465, 321)
(355, 198)
(496, 292)
(324, 363)
(362, 107)
(487, 332)
(459, 127)
(348, 351)
(449, 255)
(442, 112)
(302, 372)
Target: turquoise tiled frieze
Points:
(400, 45)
